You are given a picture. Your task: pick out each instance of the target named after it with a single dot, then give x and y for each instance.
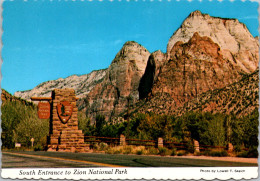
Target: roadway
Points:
(41, 159)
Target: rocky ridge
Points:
(6, 96)
(82, 84)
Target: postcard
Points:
(122, 89)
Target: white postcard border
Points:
(207, 173)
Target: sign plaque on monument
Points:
(64, 109)
(44, 110)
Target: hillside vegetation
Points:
(20, 123)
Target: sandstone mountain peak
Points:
(121, 81)
(233, 38)
(131, 49)
(191, 69)
(196, 13)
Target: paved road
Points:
(83, 160)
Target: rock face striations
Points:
(193, 68)
(204, 55)
(120, 84)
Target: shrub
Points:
(152, 151)
(103, 146)
(127, 150)
(139, 152)
(117, 151)
(173, 152)
(251, 153)
(95, 146)
(162, 151)
(206, 152)
(198, 153)
(181, 153)
(243, 154)
(216, 153)
(38, 148)
(114, 150)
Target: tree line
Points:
(20, 123)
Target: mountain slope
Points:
(82, 84)
(240, 98)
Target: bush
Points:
(127, 150)
(216, 153)
(95, 146)
(251, 153)
(38, 148)
(173, 152)
(114, 150)
(198, 153)
(139, 152)
(181, 153)
(103, 146)
(162, 151)
(153, 151)
(243, 154)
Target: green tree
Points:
(85, 124)
(20, 123)
(250, 129)
(100, 122)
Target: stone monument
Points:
(64, 135)
(64, 132)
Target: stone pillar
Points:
(64, 133)
(122, 140)
(230, 147)
(196, 146)
(160, 142)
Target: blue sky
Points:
(45, 40)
